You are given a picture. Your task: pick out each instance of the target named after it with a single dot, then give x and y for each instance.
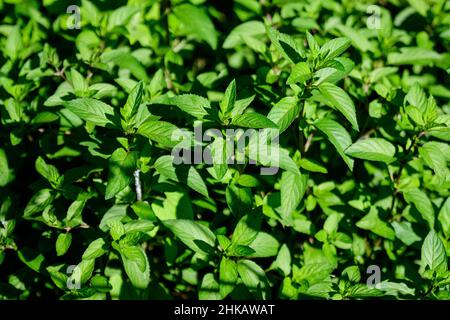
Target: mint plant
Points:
(244, 150)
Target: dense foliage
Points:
(95, 204)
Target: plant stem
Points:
(308, 141)
(137, 182)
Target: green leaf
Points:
(116, 230)
(228, 276)
(121, 16)
(209, 288)
(253, 120)
(312, 165)
(197, 22)
(338, 136)
(49, 172)
(143, 210)
(92, 110)
(331, 223)
(136, 255)
(79, 83)
(405, 232)
(283, 261)
(414, 56)
(44, 117)
(13, 108)
(432, 155)
(394, 288)
(415, 114)
(59, 278)
(125, 60)
(293, 187)
(363, 291)
(434, 257)
(269, 154)
(358, 38)
(299, 74)
(372, 222)
(352, 274)
(5, 173)
(157, 83)
(221, 152)
(416, 97)
(32, 258)
(194, 235)
(312, 272)
(101, 284)
(380, 73)
(130, 108)
(246, 180)
(286, 45)
(373, 149)
(139, 226)
(224, 242)
(284, 112)
(63, 243)
(334, 48)
(312, 43)
(96, 249)
(176, 205)
(422, 204)
(116, 212)
(263, 246)
(227, 103)
(239, 199)
(326, 75)
(249, 29)
(247, 229)
(254, 278)
(444, 217)
(181, 173)
(74, 213)
(420, 6)
(342, 241)
(190, 103)
(240, 251)
(240, 106)
(285, 161)
(161, 132)
(14, 43)
(91, 12)
(39, 202)
(339, 68)
(136, 266)
(121, 167)
(339, 99)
